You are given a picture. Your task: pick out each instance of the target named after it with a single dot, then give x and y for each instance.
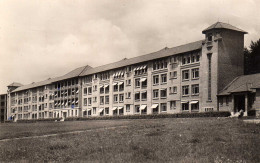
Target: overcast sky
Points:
(48, 38)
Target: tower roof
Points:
(220, 25)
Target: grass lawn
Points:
(148, 140)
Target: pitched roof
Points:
(33, 85)
(220, 25)
(14, 84)
(87, 70)
(165, 52)
(74, 73)
(71, 74)
(241, 84)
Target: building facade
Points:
(186, 78)
(3, 107)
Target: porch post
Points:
(233, 104)
(246, 104)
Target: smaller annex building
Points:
(243, 93)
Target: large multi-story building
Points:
(186, 78)
(3, 107)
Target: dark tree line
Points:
(252, 58)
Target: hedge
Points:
(153, 116)
(38, 120)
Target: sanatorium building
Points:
(194, 77)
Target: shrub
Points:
(38, 120)
(153, 116)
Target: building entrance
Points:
(239, 101)
(64, 115)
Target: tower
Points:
(222, 60)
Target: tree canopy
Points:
(252, 58)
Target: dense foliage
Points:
(252, 58)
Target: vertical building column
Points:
(233, 104)
(246, 104)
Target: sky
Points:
(48, 38)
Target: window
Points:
(127, 108)
(155, 93)
(106, 88)
(193, 58)
(183, 60)
(102, 99)
(227, 100)
(198, 58)
(129, 69)
(195, 73)
(87, 79)
(121, 86)
(89, 90)
(160, 65)
(50, 105)
(155, 79)
(173, 90)
(185, 90)
(94, 110)
(144, 96)
(137, 96)
(137, 83)
(89, 101)
(106, 111)
(115, 87)
(209, 36)
(188, 60)
(209, 76)
(104, 76)
(173, 74)
(85, 101)
(144, 82)
(185, 106)
(185, 75)
(164, 78)
(172, 105)
(128, 95)
(121, 98)
(174, 59)
(139, 70)
(115, 98)
(163, 107)
(137, 108)
(102, 89)
(94, 88)
(128, 82)
(195, 106)
(195, 89)
(107, 99)
(95, 99)
(163, 93)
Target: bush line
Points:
(149, 116)
(38, 120)
(153, 116)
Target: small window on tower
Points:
(210, 37)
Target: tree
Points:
(252, 58)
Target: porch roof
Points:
(242, 83)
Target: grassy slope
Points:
(158, 140)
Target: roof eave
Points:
(206, 30)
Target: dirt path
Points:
(65, 133)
